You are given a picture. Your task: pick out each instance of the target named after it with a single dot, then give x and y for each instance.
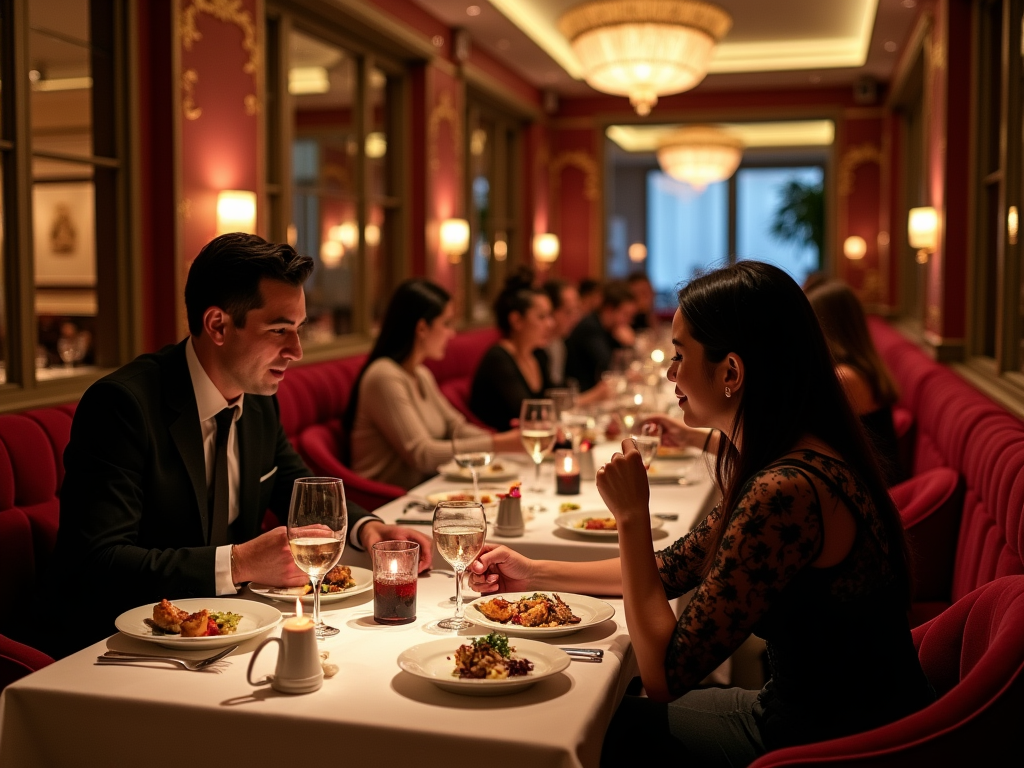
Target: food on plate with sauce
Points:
(537, 610)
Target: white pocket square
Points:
(269, 474)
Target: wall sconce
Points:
(372, 235)
(1012, 224)
(854, 248)
(545, 248)
(236, 212)
(500, 248)
(923, 231)
(454, 238)
(637, 252)
(331, 252)
(376, 145)
(346, 233)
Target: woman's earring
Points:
(728, 392)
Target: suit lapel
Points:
(250, 438)
(180, 398)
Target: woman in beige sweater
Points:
(398, 422)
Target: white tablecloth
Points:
(76, 712)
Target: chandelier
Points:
(644, 49)
(700, 155)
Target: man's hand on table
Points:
(499, 569)
(267, 559)
(375, 531)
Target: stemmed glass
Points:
(537, 430)
(469, 455)
(459, 530)
(647, 439)
(317, 526)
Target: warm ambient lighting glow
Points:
(331, 252)
(644, 50)
(1012, 224)
(854, 248)
(454, 239)
(306, 80)
(545, 248)
(376, 145)
(346, 233)
(700, 155)
(372, 235)
(923, 231)
(500, 249)
(637, 252)
(236, 212)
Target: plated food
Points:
(436, 662)
(489, 658)
(595, 522)
(671, 471)
(346, 581)
(253, 619)
(567, 506)
(587, 611)
(536, 610)
(168, 619)
(678, 452)
(489, 497)
(499, 470)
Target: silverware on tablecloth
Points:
(416, 505)
(666, 517)
(585, 654)
(121, 657)
(413, 521)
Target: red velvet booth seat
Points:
(973, 655)
(17, 660)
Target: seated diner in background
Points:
(806, 549)
(516, 367)
(643, 294)
(868, 384)
(174, 458)
(399, 425)
(595, 338)
(565, 308)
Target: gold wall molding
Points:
(580, 159)
(443, 111)
(853, 157)
(189, 78)
(230, 12)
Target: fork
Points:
(119, 657)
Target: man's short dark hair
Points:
(553, 288)
(228, 271)
(588, 285)
(637, 277)
(615, 294)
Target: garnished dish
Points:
(168, 619)
(538, 613)
(536, 610)
(497, 471)
(199, 622)
(340, 583)
(595, 522)
(485, 666)
(568, 506)
(489, 658)
(488, 496)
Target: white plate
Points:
(364, 583)
(502, 469)
(671, 471)
(257, 618)
(466, 494)
(590, 610)
(435, 662)
(678, 453)
(569, 520)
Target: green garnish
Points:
(497, 641)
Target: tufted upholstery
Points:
(959, 428)
(973, 657)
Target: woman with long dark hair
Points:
(805, 550)
(867, 382)
(398, 422)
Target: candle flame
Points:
(298, 608)
(567, 464)
(638, 399)
(394, 567)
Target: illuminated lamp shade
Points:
(346, 233)
(376, 145)
(644, 49)
(330, 253)
(637, 252)
(700, 155)
(923, 231)
(854, 248)
(236, 212)
(500, 249)
(454, 239)
(372, 235)
(545, 248)
(306, 80)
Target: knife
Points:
(413, 521)
(585, 654)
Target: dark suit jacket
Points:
(133, 506)
(588, 352)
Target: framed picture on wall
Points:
(64, 232)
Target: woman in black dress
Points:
(805, 550)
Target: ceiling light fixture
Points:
(644, 49)
(546, 248)
(306, 80)
(473, 10)
(700, 155)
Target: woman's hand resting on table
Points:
(499, 569)
(623, 485)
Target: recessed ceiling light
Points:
(815, 78)
(504, 44)
(890, 46)
(909, 3)
(473, 10)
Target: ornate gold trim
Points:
(854, 156)
(189, 78)
(576, 158)
(229, 11)
(443, 111)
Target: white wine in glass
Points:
(317, 527)
(647, 440)
(459, 531)
(467, 454)
(537, 429)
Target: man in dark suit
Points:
(590, 346)
(174, 458)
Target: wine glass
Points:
(459, 529)
(317, 526)
(537, 430)
(647, 439)
(66, 351)
(468, 454)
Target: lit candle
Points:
(567, 473)
(298, 623)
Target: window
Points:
(65, 278)
(334, 171)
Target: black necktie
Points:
(217, 493)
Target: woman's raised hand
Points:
(676, 434)
(623, 485)
(499, 569)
